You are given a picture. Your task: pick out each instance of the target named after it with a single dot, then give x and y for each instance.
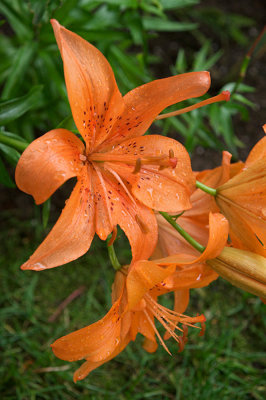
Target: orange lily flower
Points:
(121, 175)
(242, 200)
(196, 220)
(135, 306)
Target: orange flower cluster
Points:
(126, 179)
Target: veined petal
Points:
(72, 234)
(95, 342)
(168, 189)
(48, 162)
(258, 152)
(92, 90)
(189, 276)
(136, 220)
(246, 231)
(145, 102)
(142, 277)
(89, 366)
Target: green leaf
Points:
(67, 123)
(174, 4)
(128, 63)
(243, 100)
(158, 24)
(4, 176)
(19, 24)
(46, 212)
(13, 136)
(242, 87)
(10, 154)
(11, 142)
(18, 69)
(13, 109)
(181, 63)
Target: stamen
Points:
(203, 327)
(114, 234)
(143, 227)
(224, 96)
(171, 153)
(121, 183)
(98, 172)
(170, 320)
(137, 166)
(156, 332)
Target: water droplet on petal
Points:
(39, 266)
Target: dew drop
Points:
(39, 266)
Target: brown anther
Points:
(185, 333)
(114, 234)
(143, 227)
(137, 166)
(181, 344)
(171, 153)
(82, 157)
(203, 328)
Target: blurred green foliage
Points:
(33, 97)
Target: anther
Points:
(137, 166)
(171, 153)
(143, 227)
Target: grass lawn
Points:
(227, 363)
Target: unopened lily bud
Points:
(243, 269)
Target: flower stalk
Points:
(206, 189)
(182, 232)
(112, 255)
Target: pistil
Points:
(162, 161)
(224, 96)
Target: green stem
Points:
(114, 261)
(206, 189)
(17, 144)
(182, 232)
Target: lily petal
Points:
(145, 102)
(92, 90)
(48, 162)
(89, 366)
(71, 236)
(115, 207)
(95, 342)
(218, 235)
(168, 189)
(143, 276)
(258, 152)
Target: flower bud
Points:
(243, 269)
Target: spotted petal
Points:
(92, 90)
(167, 189)
(145, 102)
